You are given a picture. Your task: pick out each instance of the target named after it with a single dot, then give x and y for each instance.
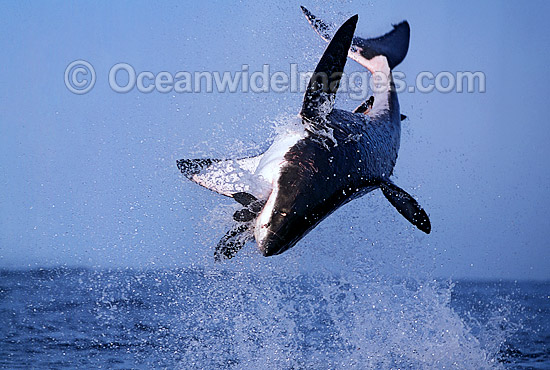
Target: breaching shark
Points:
(331, 158)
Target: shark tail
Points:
(394, 45)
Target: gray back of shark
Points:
(340, 156)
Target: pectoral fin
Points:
(406, 205)
(227, 177)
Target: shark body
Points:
(329, 158)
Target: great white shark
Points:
(330, 158)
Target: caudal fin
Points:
(394, 45)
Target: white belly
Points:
(269, 169)
(272, 160)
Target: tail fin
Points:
(394, 45)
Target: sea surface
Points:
(199, 319)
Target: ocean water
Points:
(224, 319)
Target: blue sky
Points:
(90, 179)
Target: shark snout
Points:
(277, 235)
(271, 245)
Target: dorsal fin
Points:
(323, 85)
